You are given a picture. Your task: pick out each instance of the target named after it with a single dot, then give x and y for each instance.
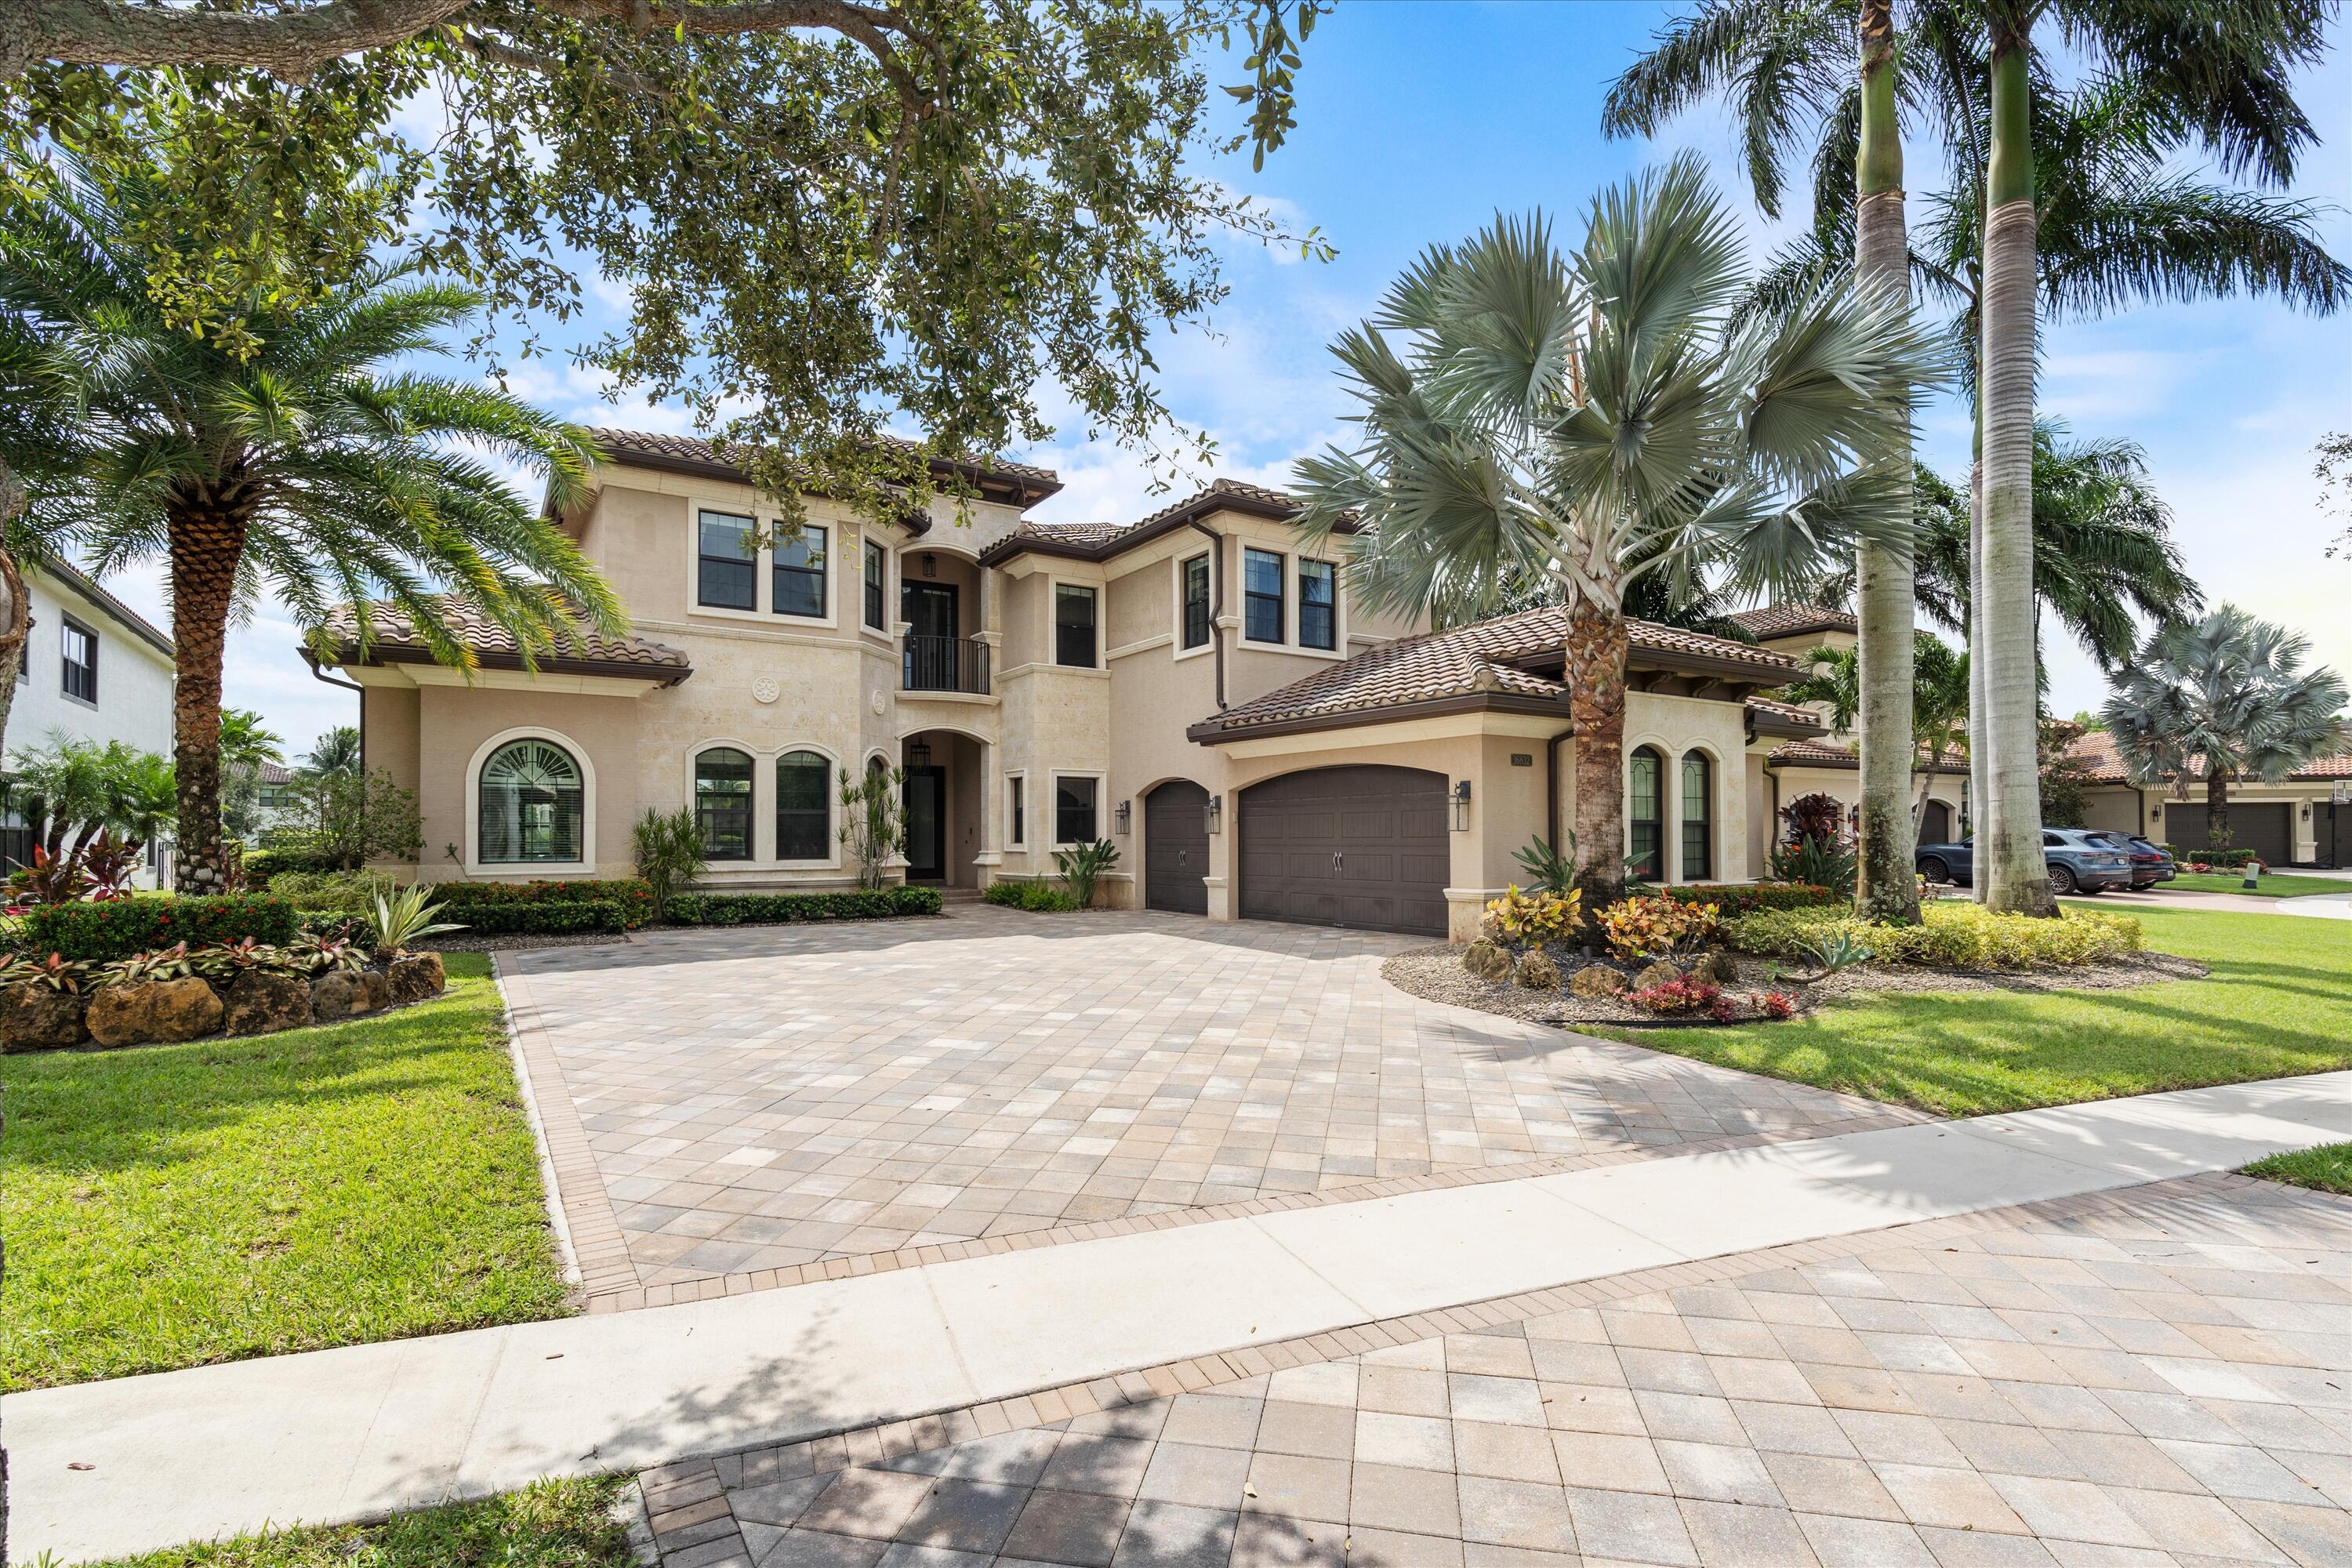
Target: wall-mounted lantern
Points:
(1211, 812)
(1123, 814)
(1462, 807)
(931, 565)
(919, 753)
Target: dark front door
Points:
(927, 824)
(1936, 827)
(1362, 846)
(2266, 828)
(1176, 847)
(933, 626)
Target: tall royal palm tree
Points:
(295, 463)
(2227, 697)
(1597, 419)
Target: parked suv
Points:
(2079, 862)
(2150, 864)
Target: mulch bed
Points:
(1435, 974)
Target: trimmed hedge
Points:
(2231, 858)
(760, 909)
(1951, 934)
(1039, 898)
(1747, 897)
(632, 895)
(120, 927)
(529, 918)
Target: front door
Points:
(1176, 847)
(927, 824)
(930, 612)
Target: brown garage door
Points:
(2264, 829)
(1176, 847)
(2336, 844)
(1364, 848)
(1935, 826)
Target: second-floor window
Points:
(1318, 599)
(878, 568)
(727, 572)
(81, 661)
(1261, 595)
(799, 587)
(1196, 601)
(1074, 626)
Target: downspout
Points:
(1216, 604)
(322, 677)
(1551, 787)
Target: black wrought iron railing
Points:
(945, 664)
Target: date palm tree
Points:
(2226, 696)
(1597, 419)
(296, 464)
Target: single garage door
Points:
(1176, 848)
(2338, 836)
(1936, 826)
(2263, 828)
(1364, 848)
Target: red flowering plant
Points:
(1777, 1006)
(1678, 998)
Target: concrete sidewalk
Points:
(355, 1432)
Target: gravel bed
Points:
(519, 941)
(1435, 974)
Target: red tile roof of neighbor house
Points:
(1793, 620)
(1481, 659)
(2096, 749)
(693, 450)
(580, 650)
(1827, 754)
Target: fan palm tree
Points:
(1597, 420)
(2226, 696)
(293, 462)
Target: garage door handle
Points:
(1336, 859)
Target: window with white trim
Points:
(722, 802)
(1074, 626)
(1261, 595)
(877, 572)
(803, 806)
(1318, 605)
(798, 564)
(81, 661)
(1196, 601)
(1074, 809)
(532, 805)
(727, 564)
(1016, 812)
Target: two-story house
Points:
(1197, 687)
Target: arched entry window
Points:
(803, 806)
(722, 802)
(1645, 813)
(1698, 817)
(532, 807)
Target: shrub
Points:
(1676, 998)
(1084, 866)
(1818, 862)
(670, 854)
(1653, 926)
(1745, 898)
(117, 929)
(332, 892)
(764, 909)
(1778, 1005)
(548, 917)
(1536, 919)
(635, 895)
(261, 866)
(1953, 936)
(1038, 898)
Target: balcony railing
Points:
(945, 664)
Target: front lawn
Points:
(167, 1206)
(2327, 1169)
(2277, 1004)
(549, 1524)
(2264, 886)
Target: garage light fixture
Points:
(1123, 814)
(1211, 812)
(1462, 807)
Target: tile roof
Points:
(1096, 540)
(1788, 712)
(581, 649)
(1827, 754)
(276, 774)
(1468, 660)
(2096, 750)
(695, 450)
(1793, 620)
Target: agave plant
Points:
(401, 917)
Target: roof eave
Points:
(660, 676)
(1214, 732)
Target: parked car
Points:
(2079, 861)
(2150, 864)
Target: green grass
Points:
(168, 1205)
(548, 1524)
(2264, 886)
(2328, 1168)
(2279, 1002)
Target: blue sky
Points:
(1418, 121)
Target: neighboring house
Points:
(1196, 687)
(2304, 819)
(1829, 765)
(93, 668)
(276, 791)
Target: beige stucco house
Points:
(2304, 819)
(1197, 687)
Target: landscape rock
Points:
(416, 976)
(336, 996)
(38, 1018)
(376, 987)
(1536, 971)
(151, 1011)
(1658, 974)
(1597, 980)
(261, 1004)
(1487, 960)
(1717, 966)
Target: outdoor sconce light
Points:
(919, 753)
(1210, 812)
(1462, 807)
(931, 565)
(1123, 814)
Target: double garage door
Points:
(1364, 848)
(2267, 829)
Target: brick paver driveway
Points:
(767, 1099)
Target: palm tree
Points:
(292, 461)
(1833, 678)
(2226, 696)
(92, 786)
(335, 754)
(1598, 420)
(244, 742)
(1939, 710)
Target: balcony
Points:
(944, 664)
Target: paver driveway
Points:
(765, 1099)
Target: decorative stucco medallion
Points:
(879, 703)
(765, 689)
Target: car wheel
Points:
(2142, 886)
(2061, 880)
(1934, 869)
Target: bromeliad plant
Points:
(1535, 920)
(321, 955)
(58, 973)
(1084, 866)
(401, 917)
(163, 963)
(1651, 928)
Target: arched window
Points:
(722, 802)
(803, 806)
(532, 805)
(1644, 813)
(1698, 817)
